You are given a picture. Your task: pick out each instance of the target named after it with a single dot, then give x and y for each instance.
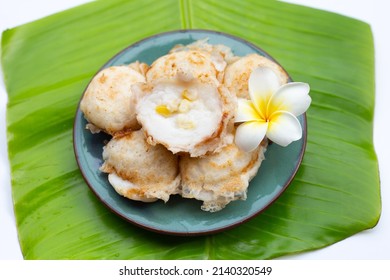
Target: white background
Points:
(370, 244)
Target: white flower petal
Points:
(291, 97)
(262, 83)
(249, 135)
(246, 111)
(284, 128)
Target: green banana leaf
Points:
(48, 63)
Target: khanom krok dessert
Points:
(172, 125)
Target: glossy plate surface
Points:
(181, 216)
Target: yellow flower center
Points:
(264, 109)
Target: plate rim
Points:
(200, 232)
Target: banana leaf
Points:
(48, 63)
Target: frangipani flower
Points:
(272, 111)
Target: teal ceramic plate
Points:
(181, 216)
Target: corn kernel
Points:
(189, 95)
(163, 110)
(173, 105)
(184, 106)
(185, 123)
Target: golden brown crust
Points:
(219, 178)
(140, 67)
(237, 74)
(152, 171)
(135, 158)
(185, 65)
(109, 103)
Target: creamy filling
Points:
(181, 115)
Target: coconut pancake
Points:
(138, 170)
(219, 55)
(237, 74)
(109, 103)
(219, 178)
(183, 65)
(190, 117)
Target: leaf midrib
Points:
(185, 8)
